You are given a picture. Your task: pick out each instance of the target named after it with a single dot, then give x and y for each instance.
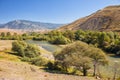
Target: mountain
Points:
(29, 25)
(1, 24)
(107, 19)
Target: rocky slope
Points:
(107, 19)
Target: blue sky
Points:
(54, 11)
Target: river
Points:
(46, 45)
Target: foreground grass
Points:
(5, 44)
(7, 56)
(23, 71)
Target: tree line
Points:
(107, 41)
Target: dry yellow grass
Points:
(7, 56)
(5, 44)
(11, 31)
(23, 71)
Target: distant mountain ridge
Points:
(107, 19)
(29, 25)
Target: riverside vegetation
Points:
(84, 52)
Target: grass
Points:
(5, 48)
(6, 44)
(7, 56)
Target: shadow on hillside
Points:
(53, 71)
(13, 53)
(115, 56)
(59, 72)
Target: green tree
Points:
(98, 58)
(75, 55)
(54, 33)
(59, 40)
(79, 35)
(31, 51)
(3, 34)
(80, 55)
(8, 34)
(103, 40)
(19, 47)
(69, 34)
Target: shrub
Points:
(59, 40)
(25, 50)
(39, 61)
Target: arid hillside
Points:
(107, 19)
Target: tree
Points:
(8, 34)
(103, 40)
(79, 35)
(75, 55)
(54, 33)
(98, 58)
(3, 34)
(15, 36)
(81, 62)
(59, 40)
(31, 51)
(69, 34)
(19, 47)
(80, 55)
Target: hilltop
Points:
(107, 19)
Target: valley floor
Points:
(10, 70)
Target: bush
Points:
(39, 61)
(29, 53)
(59, 40)
(54, 66)
(41, 38)
(25, 50)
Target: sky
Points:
(53, 11)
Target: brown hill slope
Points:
(107, 19)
